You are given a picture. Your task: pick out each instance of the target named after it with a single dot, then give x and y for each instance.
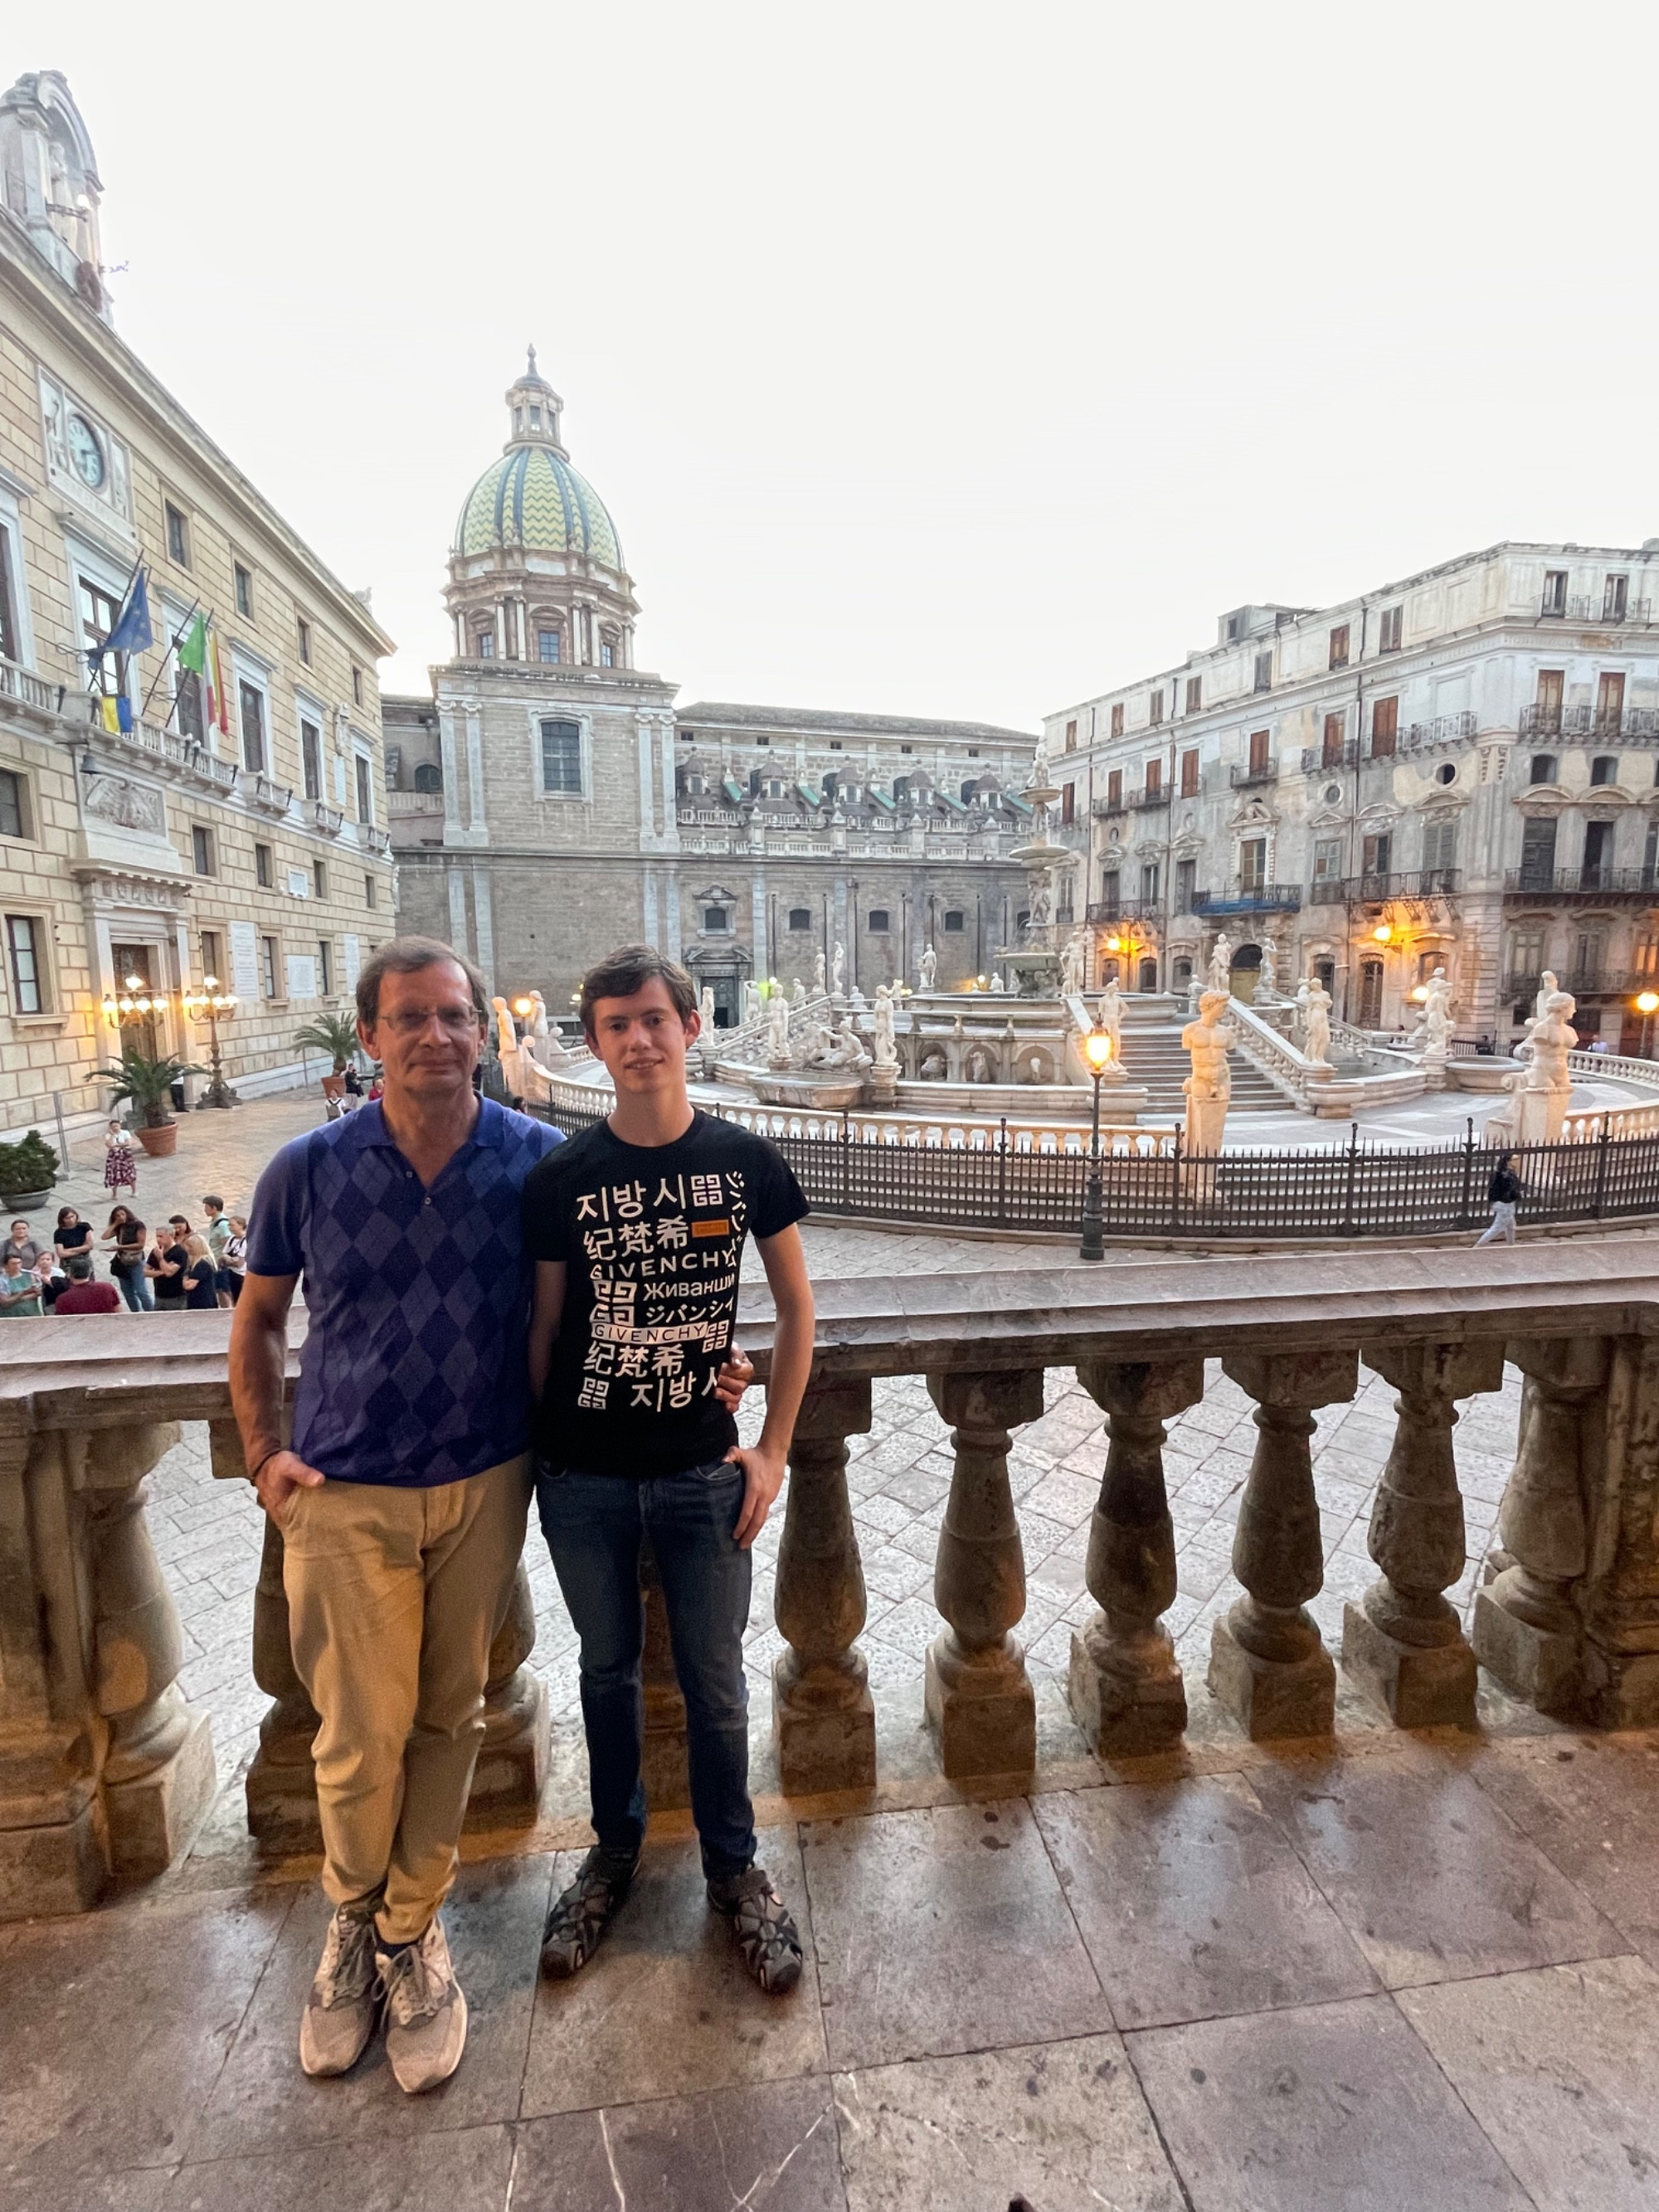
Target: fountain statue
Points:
(706, 1009)
(818, 984)
(927, 967)
(1072, 959)
(838, 973)
(538, 1015)
(777, 1030)
(881, 1026)
(1267, 981)
(1318, 1047)
(1435, 1026)
(1221, 965)
(506, 1037)
(1209, 1088)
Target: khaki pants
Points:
(394, 1598)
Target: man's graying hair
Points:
(407, 956)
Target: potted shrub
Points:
(336, 1035)
(28, 1170)
(148, 1084)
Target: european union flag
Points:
(132, 631)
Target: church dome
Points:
(532, 500)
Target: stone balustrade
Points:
(103, 1770)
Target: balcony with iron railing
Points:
(1602, 613)
(329, 820)
(1594, 882)
(1377, 888)
(1630, 726)
(1248, 896)
(1104, 809)
(1144, 801)
(1104, 914)
(1245, 775)
(1597, 983)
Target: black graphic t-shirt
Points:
(652, 1238)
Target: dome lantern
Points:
(534, 411)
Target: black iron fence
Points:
(1314, 1191)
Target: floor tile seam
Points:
(1457, 1979)
(1532, 1844)
(825, 2073)
(235, 2035)
(535, 1995)
(288, 2150)
(1154, 2116)
(1460, 2100)
(1071, 1911)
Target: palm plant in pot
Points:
(147, 1082)
(336, 1035)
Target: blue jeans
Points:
(594, 1525)
(136, 1289)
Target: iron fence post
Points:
(1002, 1174)
(1353, 1160)
(846, 1139)
(1601, 1144)
(1468, 1174)
(1175, 1187)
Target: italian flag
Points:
(199, 653)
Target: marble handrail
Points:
(104, 1768)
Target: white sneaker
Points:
(425, 2012)
(344, 2001)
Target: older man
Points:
(402, 1500)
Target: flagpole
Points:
(176, 642)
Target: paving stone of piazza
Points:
(1411, 1969)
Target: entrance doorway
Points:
(1245, 973)
(1371, 994)
(139, 1030)
(1149, 973)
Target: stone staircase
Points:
(1153, 1057)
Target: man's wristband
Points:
(276, 1452)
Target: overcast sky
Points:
(942, 359)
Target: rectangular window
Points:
(1598, 853)
(1554, 601)
(1385, 726)
(1389, 639)
(1615, 598)
(1253, 863)
(607, 656)
(1115, 787)
(547, 646)
(356, 687)
(1117, 720)
(1331, 753)
(1155, 707)
(1071, 736)
(305, 641)
(1194, 694)
(201, 848)
(1609, 700)
(1154, 779)
(562, 759)
(178, 536)
(1340, 646)
(244, 590)
(311, 759)
(23, 958)
(98, 613)
(319, 878)
(1439, 848)
(187, 703)
(14, 805)
(1189, 773)
(1068, 802)
(262, 871)
(486, 646)
(268, 966)
(1378, 854)
(8, 624)
(878, 922)
(211, 971)
(1148, 883)
(1258, 739)
(1186, 885)
(1538, 853)
(1264, 671)
(1328, 859)
(365, 789)
(1110, 896)
(1552, 687)
(324, 968)
(253, 728)
(369, 890)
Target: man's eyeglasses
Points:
(454, 1021)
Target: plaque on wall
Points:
(302, 975)
(244, 961)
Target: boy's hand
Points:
(764, 1473)
(734, 1378)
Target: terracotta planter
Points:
(160, 1143)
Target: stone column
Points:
(667, 1777)
(1527, 1628)
(824, 1720)
(1125, 1686)
(1403, 1641)
(1267, 1665)
(979, 1696)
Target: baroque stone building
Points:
(1461, 768)
(549, 801)
(167, 848)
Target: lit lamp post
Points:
(213, 1005)
(1098, 1051)
(135, 1002)
(1647, 1005)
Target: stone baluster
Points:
(1526, 1628)
(824, 1720)
(979, 1696)
(280, 1789)
(1403, 1641)
(1267, 1665)
(668, 1776)
(1125, 1686)
(507, 1781)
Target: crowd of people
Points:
(172, 1268)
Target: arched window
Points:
(900, 790)
(955, 922)
(800, 918)
(878, 922)
(428, 777)
(1604, 770)
(1543, 768)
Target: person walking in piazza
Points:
(120, 1173)
(402, 1499)
(1505, 1191)
(637, 1228)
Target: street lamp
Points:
(1647, 1005)
(1098, 1051)
(213, 1005)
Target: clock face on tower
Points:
(85, 451)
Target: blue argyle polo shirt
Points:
(414, 1367)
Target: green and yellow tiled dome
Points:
(532, 499)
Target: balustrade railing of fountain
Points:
(104, 1769)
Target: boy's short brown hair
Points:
(622, 972)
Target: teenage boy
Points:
(637, 1228)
